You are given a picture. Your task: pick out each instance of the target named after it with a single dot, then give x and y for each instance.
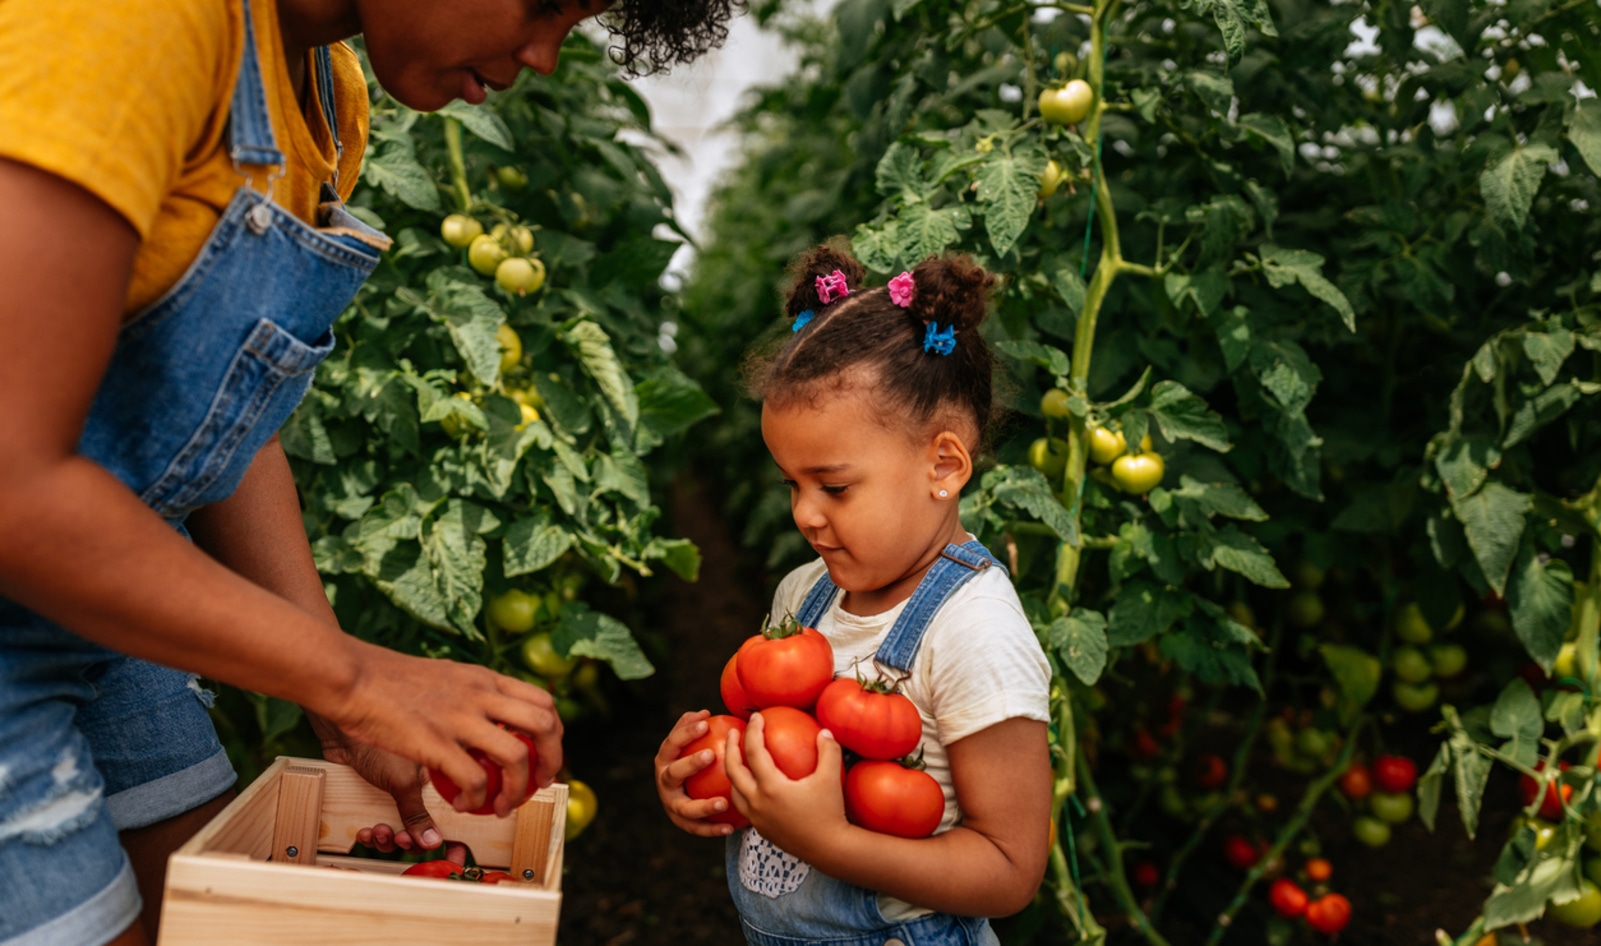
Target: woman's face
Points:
(426, 53)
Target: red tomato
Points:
(1551, 804)
(1356, 782)
(496, 877)
(712, 781)
(1328, 913)
(889, 798)
(1240, 852)
(1145, 745)
(733, 694)
(791, 738)
(1394, 773)
(870, 721)
(1287, 897)
(1318, 870)
(448, 789)
(1145, 875)
(442, 868)
(787, 665)
(1211, 771)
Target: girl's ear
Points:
(952, 465)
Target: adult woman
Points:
(172, 252)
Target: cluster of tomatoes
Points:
(787, 674)
(504, 253)
(1134, 472)
(1384, 790)
(1420, 660)
(1552, 795)
(1324, 911)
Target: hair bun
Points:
(951, 290)
(821, 261)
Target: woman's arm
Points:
(990, 864)
(79, 548)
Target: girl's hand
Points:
(796, 815)
(671, 773)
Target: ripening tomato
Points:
(448, 790)
(1240, 852)
(1356, 782)
(1328, 913)
(511, 347)
(1394, 773)
(520, 274)
(733, 694)
(1287, 897)
(1211, 771)
(1106, 445)
(459, 229)
(1319, 870)
(1551, 803)
(496, 877)
(791, 739)
(1391, 807)
(442, 868)
(890, 798)
(786, 665)
(1371, 831)
(712, 781)
(1145, 875)
(485, 253)
(873, 721)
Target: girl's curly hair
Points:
(654, 35)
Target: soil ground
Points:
(633, 878)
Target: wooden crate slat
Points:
(294, 834)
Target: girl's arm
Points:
(990, 864)
(81, 549)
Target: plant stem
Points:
(1114, 869)
(458, 166)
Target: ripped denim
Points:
(91, 743)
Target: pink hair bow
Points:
(832, 287)
(900, 290)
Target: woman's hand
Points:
(671, 773)
(798, 815)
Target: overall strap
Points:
(817, 601)
(324, 61)
(955, 566)
(250, 136)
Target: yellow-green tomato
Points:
(1415, 697)
(1106, 445)
(511, 177)
(1371, 831)
(1067, 105)
(1411, 665)
(511, 347)
(1305, 609)
(459, 229)
(581, 807)
(1049, 456)
(513, 611)
(1064, 62)
(1448, 659)
(452, 424)
(517, 239)
(1138, 473)
(1391, 807)
(1051, 178)
(530, 414)
(1583, 912)
(484, 254)
(1567, 662)
(541, 657)
(1054, 404)
(520, 275)
(1543, 830)
(1411, 626)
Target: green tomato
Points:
(511, 347)
(1544, 832)
(1567, 662)
(1448, 659)
(452, 424)
(1307, 575)
(1138, 473)
(1313, 743)
(512, 178)
(459, 230)
(1054, 404)
(1411, 626)
(1415, 697)
(1410, 665)
(514, 611)
(1391, 807)
(516, 239)
(1305, 609)
(540, 656)
(1106, 445)
(1583, 912)
(1049, 456)
(1051, 178)
(484, 254)
(1067, 105)
(1371, 831)
(520, 275)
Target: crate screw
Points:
(528, 873)
(293, 851)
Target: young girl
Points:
(873, 409)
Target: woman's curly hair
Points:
(653, 35)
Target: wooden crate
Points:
(258, 875)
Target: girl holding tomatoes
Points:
(874, 406)
(174, 249)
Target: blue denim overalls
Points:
(93, 742)
(794, 904)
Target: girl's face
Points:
(426, 53)
(867, 497)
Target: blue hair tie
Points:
(941, 343)
(801, 320)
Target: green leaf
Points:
(1234, 550)
(1509, 185)
(1517, 718)
(1552, 876)
(276, 718)
(1025, 488)
(1540, 599)
(1203, 647)
(1493, 521)
(1070, 286)
(670, 402)
(1079, 641)
(594, 350)
(454, 548)
(900, 173)
(1049, 357)
(586, 633)
(1233, 17)
(1584, 130)
(680, 555)
(925, 231)
(1547, 350)
(1541, 410)
(471, 317)
(1008, 188)
(1233, 335)
(1144, 610)
(1184, 416)
(533, 543)
(1464, 464)
(486, 123)
(1215, 91)
(1286, 373)
(623, 473)
(1272, 130)
(1356, 674)
(393, 167)
(1283, 266)
(1202, 500)
(1472, 773)
(1430, 784)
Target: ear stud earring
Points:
(944, 493)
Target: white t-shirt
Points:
(979, 664)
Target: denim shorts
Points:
(91, 743)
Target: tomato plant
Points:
(1556, 794)
(786, 665)
(892, 798)
(873, 720)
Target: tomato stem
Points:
(1115, 876)
(458, 166)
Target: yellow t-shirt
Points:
(129, 99)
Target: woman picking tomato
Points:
(173, 252)
(873, 408)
